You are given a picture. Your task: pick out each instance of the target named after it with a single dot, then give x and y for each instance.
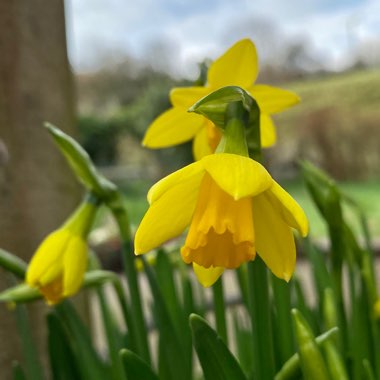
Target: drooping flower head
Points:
(58, 266)
(233, 209)
(238, 66)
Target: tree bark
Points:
(37, 189)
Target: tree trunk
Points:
(37, 189)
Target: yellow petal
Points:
(267, 131)
(74, 264)
(169, 214)
(47, 254)
(238, 66)
(274, 238)
(52, 273)
(52, 291)
(190, 173)
(207, 276)
(237, 175)
(201, 147)
(187, 96)
(273, 99)
(173, 127)
(290, 211)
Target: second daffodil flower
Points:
(58, 266)
(233, 207)
(238, 66)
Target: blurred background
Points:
(127, 55)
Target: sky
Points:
(175, 35)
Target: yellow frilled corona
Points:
(233, 209)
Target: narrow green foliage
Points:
(283, 320)
(136, 368)
(361, 335)
(13, 264)
(17, 371)
(91, 366)
(216, 360)
(164, 270)
(259, 310)
(219, 310)
(33, 367)
(368, 371)
(172, 342)
(112, 334)
(335, 364)
(312, 363)
(244, 345)
(292, 367)
(63, 362)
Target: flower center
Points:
(221, 233)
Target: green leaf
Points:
(171, 343)
(283, 319)
(216, 360)
(244, 345)
(90, 364)
(64, 365)
(112, 333)
(166, 281)
(81, 164)
(32, 364)
(292, 367)
(13, 264)
(312, 362)
(17, 371)
(136, 368)
(324, 192)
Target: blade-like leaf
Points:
(136, 368)
(216, 360)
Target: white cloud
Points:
(199, 28)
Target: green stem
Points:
(219, 309)
(32, 363)
(117, 372)
(130, 272)
(13, 264)
(283, 321)
(259, 310)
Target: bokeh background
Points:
(127, 55)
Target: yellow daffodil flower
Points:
(58, 266)
(233, 207)
(238, 66)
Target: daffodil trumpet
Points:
(58, 266)
(232, 207)
(238, 66)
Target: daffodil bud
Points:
(58, 266)
(312, 362)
